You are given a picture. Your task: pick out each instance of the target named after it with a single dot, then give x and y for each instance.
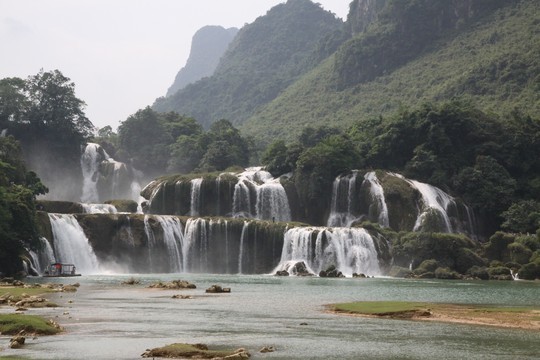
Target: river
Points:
(107, 320)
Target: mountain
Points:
(404, 53)
(265, 57)
(207, 46)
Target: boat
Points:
(60, 270)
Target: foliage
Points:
(447, 250)
(491, 60)
(43, 113)
(160, 143)
(18, 189)
(522, 216)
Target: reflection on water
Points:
(109, 321)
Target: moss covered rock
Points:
(59, 207)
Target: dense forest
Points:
(307, 95)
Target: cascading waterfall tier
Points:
(71, 244)
(99, 208)
(350, 250)
(130, 243)
(433, 212)
(343, 199)
(253, 193)
(105, 178)
(350, 203)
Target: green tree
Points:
(146, 139)
(18, 189)
(522, 216)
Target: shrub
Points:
(530, 271)
(446, 273)
(480, 272)
(519, 253)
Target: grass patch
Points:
(179, 350)
(11, 324)
(18, 291)
(520, 317)
(380, 307)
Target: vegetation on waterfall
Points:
(158, 144)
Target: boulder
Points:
(361, 276)
(267, 349)
(332, 272)
(174, 285)
(17, 342)
(216, 289)
(282, 273)
(300, 269)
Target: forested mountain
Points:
(207, 46)
(298, 66)
(265, 57)
(404, 53)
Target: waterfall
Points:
(44, 257)
(377, 195)
(343, 194)
(351, 250)
(241, 200)
(241, 249)
(90, 164)
(191, 234)
(433, 199)
(173, 238)
(151, 241)
(195, 204)
(99, 208)
(71, 244)
(272, 202)
(271, 199)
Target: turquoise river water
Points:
(107, 320)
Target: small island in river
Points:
(521, 317)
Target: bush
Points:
(519, 253)
(446, 274)
(530, 271)
(480, 272)
(426, 266)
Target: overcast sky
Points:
(121, 54)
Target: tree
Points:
(18, 189)
(145, 138)
(522, 216)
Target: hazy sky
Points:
(121, 54)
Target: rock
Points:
(331, 272)
(267, 349)
(182, 297)
(175, 284)
(304, 323)
(362, 276)
(216, 289)
(17, 342)
(238, 355)
(69, 288)
(131, 281)
(282, 273)
(300, 269)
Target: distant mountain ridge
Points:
(264, 58)
(207, 46)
